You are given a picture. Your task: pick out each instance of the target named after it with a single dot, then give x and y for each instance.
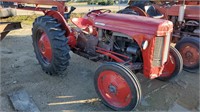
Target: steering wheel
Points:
(98, 11)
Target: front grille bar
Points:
(158, 49)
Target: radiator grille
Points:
(158, 48)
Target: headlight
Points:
(145, 44)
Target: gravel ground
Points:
(75, 91)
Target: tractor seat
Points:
(152, 12)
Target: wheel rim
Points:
(170, 66)
(190, 54)
(114, 89)
(45, 48)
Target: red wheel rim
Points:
(114, 89)
(190, 54)
(45, 48)
(170, 66)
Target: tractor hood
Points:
(129, 24)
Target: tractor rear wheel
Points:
(189, 50)
(173, 66)
(117, 86)
(50, 45)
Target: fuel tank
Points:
(130, 24)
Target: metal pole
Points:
(119, 4)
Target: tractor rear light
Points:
(145, 44)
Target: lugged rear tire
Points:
(50, 45)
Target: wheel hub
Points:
(190, 54)
(42, 47)
(112, 89)
(45, 48)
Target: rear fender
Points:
(61, 20)
(69, 33)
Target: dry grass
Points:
(76, 4)
(25, 19)
(29, 19)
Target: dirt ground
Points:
(75, 91)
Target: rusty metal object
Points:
(6, 27)
(22, 102)
(59, 3)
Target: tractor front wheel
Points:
(50, 45)
(117, 86)
(189, 50)
(173, 66)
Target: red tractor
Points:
(185, 17)
(126, 44)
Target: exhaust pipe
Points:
(181, 12)
(67, 15)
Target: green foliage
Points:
(110, 2)
(100, 2)
(92, 2)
